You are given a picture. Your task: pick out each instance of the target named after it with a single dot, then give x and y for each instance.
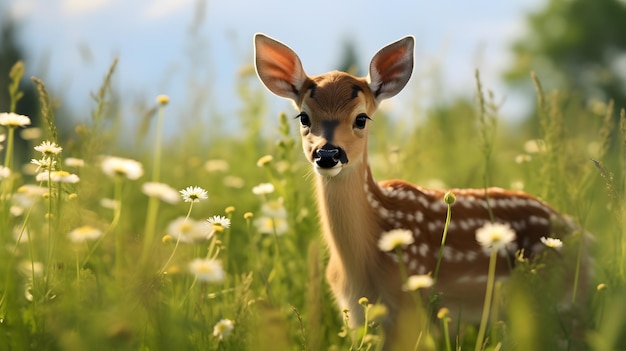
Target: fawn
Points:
(355, 210)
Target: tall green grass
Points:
(132, 288)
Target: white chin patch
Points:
(328, 172)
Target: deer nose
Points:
(326, 158)
(329, 155)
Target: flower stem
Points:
(153, 203)
(150, 228)
(116, 218)
(446, 333)
(487, 304)
(177, 241)
(9, 153)
(443, 242)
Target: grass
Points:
(126, 283)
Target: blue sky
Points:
(166, 46)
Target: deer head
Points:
(335, 107)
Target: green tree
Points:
(577, 45)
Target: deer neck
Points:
(351, 227)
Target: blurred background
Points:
(197, 48)
(200, 52)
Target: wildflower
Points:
(263, 189)
(274, 209)
(443, 313)
(45, 163)
(122, 167)
(551, 242)
(233, 182)
(188, 230)
(109, 203)
(416, 282)
(535, 146)
(363, 301)
(57, 177)
(449, 198)
(48, 148)
(523, 158)
(517, 185)
(161, 191)
(229, 209)
(32, 190)
(13, 120)
(31, 133)
(163, 99)
(16, 211)
(396, 238)
(84, 233)
(223, 328)
(219, 223)
(494, 235)
(271, 225)
(216, 166)
(377, 312)
(264, 161)
(31, 269)
(207, 270)
(74, 162)
(601, 287)
(5, 172)
(194, 194)
(248, 215)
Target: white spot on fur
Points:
(419, 216)
(471, 256)
(423, 249)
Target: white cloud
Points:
(163, 8)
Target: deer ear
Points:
(278, 67)
(391, 68)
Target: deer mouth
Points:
(326, 171)
(329, 160)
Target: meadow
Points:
(210, 241)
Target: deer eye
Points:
(361, 121)
(304, 119)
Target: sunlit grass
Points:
(98, 253)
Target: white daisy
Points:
(45, 162)
(219, 222)
(271, 225)
(84, 233)
(495, 235)
(551, 242)
(5, 172)
(48, 148)
(223, 328)
(194, 194)
(57, 177)
(161, 191)
(189, 230)
(122, 167)
(416, 282)
(395, 238)
(74, 162)
(13, 120)
(207, 270)
(263, 189)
